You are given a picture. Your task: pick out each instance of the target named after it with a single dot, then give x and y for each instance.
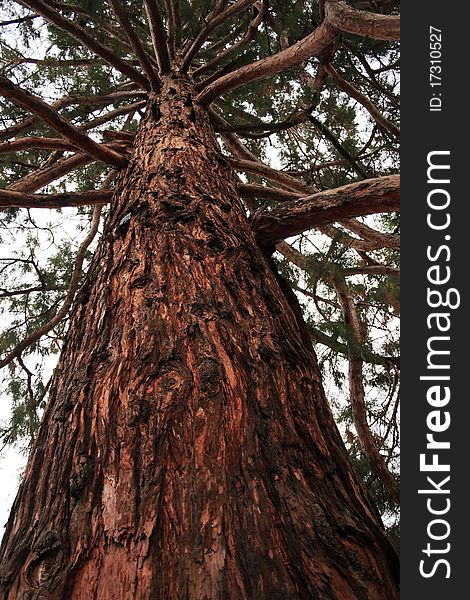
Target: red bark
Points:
(187, 449)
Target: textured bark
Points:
(367, 197)
(45, 175)
(187, 449)
(359, 22)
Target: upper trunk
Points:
(187, 449)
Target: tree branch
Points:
(223, 41)
(253, 190)
(135, 43)
(109, 116)
(250, 33)
(247, 129)
(366, 103)
(86, 39)
(36, 142)
(14, 199)
(101, 23)
(309, 46)
(373, 270)
(25, 124)
(233, 143)
(324, 130)
(19, 20)
(359, 245)
(371, 25)
(158, 35)
(170, 10)
(379, 238)
(259, 168)
(62, 312)
(318, 336)
(31, 290)
(50, 116)
(372, 73)
(215, 19)
(49, 173)
(356, 199)
(357, 393)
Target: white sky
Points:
(12, 463)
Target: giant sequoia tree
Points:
(186, 447)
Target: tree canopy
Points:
(305, 103)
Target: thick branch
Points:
(49, 173)
(27, 123)
(87, 40)
(361, 198)
(45, 112)
(47, 143)
(158, 35)
(13, 199)
(372, 25)
(309, 46)
(379, 238)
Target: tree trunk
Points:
(187, 449)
